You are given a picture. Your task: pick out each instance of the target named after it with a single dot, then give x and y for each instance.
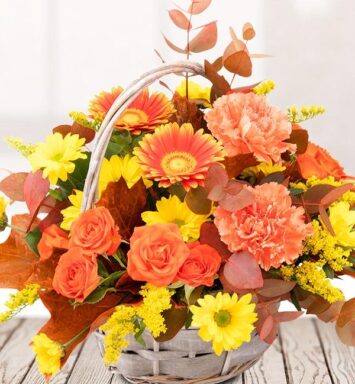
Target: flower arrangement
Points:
(212, 208)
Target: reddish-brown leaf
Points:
(236, 58)
(205, 39)
(216, 177)
(218, 64)
(17, 260)
(274, 287)
(66, 322)
(332, 312)
(347, 313)
(173, 46)
(242, 271)
(175, 318)
(220, 84)
(267, 327)
(179, 19)
(198, 6)
(236, 164)
(236, 197)
(276, 177)
(197, 200)
(313, 196)
(209, 235)
(299, 136)
(54, 215)
(287, 316)
(186, 111)
(76, 129)
(325, 219)
(35, 191)
(316, 305)
(13, 186)
(125, 205)
(259, 55)
(347, 333)
(248, 31)
(335, 194)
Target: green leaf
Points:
(110, 280)
(98, 294)
(139, 335)
(102, 270)
(33, 238)
(329, 271)
(188, 292)
(56, 194)
(296, 191)
(294, 301)
(188, 320)
(176, 285)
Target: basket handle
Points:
(103, 135)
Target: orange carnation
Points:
(201, 266)
(52, 238)
(76, 275)
(316, 161)
(95, 232)
(157, 253)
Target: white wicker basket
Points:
(185, 358)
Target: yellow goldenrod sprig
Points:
(84, 120)
(264, 88)
(18, 144)
(19, 300)
(296, 115)
(311, 277)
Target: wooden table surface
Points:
(307, 352)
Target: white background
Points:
(56, 54)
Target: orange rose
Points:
(52, 238)
(201, 266)
(76, 275)
(157, 253)
(95, 232)
(316, 161)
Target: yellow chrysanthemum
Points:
(155, 301)
(265, 168)
(116, 329)
(3, 205)
(342, 219)
(224, 320)
(71, 213)
(202, 95)
(115, 168)
(48, 354)
(311, 277)
(19, 300)
(56, 156)
(172, 210)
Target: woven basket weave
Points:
(185, 358)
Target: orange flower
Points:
(201, 266)
(316, 161)
(146, 112)
(246, 123)
(271, 228)
(95, 232)
(157, 253)
(174, 154)
(52, 238)
(76, 275)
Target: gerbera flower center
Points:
(133, 116)
(222, 318)
(178, 163)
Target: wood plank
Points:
(7, 329)
(89, 367)
(34, 377)
(269, 369)
(305, 361)
(16, 357)
(339, 357)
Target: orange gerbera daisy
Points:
(146, 112)
(176, 154)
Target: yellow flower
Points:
(264, 88)
(3, 205)
(265, 168)
(297, 115)
(311, 277)
(116, 329)
(71, 213)
(224, 320)
(172, 210)
(19, 300)
(56, 156)
(48, 354)
(155, 301)
(342, 219)
(20, 146)
(196, 93)
(325, 246)
(115, 168)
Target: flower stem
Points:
(75, 338)
(17, 229)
